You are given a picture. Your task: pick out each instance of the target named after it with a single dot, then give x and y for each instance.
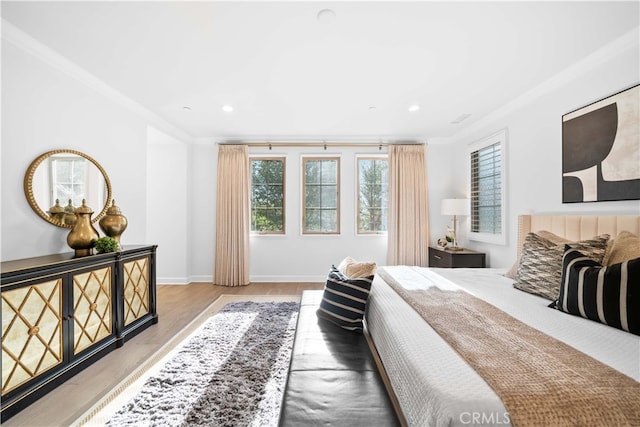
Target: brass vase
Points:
(69, 216)
(57, 212)
(83, 236)
(113, 223)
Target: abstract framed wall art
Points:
(601, 150)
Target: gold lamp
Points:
(455, 207)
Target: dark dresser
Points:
(60, 314)
(455, 259)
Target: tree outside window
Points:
(267, 195)
(373, 186)
(321, 195)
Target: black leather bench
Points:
(333, 378)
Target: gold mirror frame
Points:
(28, 186)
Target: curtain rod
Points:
(318, 144)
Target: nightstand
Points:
(455, 259)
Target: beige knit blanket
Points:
(540, 380)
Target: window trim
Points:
(359, 157)
(499, 137)
(303, 199)
(284, 194)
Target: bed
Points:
(433, 385)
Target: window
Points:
(69, 175)
(373, 187)
(487, 189)
(267, 195)
(321, 195)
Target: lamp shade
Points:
(455, 207)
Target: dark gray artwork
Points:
(601, 150)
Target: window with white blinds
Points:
(487, 189)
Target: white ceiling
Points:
(289, 75)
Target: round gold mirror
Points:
(57, 181)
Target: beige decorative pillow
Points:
(625, 247)
(354, 269)
(552, 237)
(511, 273)
(540, 269)
(343, 264)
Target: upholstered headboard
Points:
(577, 227)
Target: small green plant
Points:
(449, 235)
(106, 244)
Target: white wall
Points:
(50, 104)
(44, 109)
(167, 199)
(202, 180)
(534, 142)
(442, 171)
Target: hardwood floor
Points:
(178, 305)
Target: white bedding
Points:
(434, 386)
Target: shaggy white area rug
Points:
(230, 371)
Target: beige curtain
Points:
(408, 228)
(232, 217)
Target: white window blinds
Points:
(487, 189)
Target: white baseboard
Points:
(201, 279)
(277, 279)
(172, 281)
(254, 279)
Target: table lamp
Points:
(455, 207)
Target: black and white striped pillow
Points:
(609, 295)
(344, 300)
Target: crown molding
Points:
(631, 40)
(204, 141)
(37, 49)
(328, 139)
(25, 42)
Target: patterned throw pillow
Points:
(625, 246)
(344, 300)
(352, 268)
(513, 271)
(540, 269)
(608, 295)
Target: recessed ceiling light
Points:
(326, 16)
(227, 108)
(414, 107)
(372, 107)
(187, 108)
